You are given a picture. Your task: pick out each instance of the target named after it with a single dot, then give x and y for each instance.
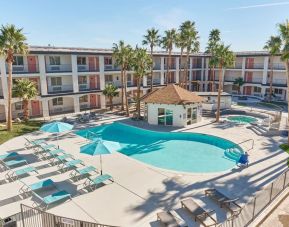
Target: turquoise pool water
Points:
(186, 152)
(242, 119)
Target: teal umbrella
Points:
(56, 127)
(95, 148)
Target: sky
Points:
(244, 24)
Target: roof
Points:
(212, 93)
(172, 94)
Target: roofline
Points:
(106, 51)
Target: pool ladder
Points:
(234, 152)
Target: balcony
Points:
(24, 69)
(58, 68)
(115, 83)
(157, 67)
(279, 82)
(60, 89)
(236, 66)
(254, 81)
(173, 66)
(86, 87)
(277, 66)
(197, 66)
(111, 68)
(61, 110)
(86, 68)
(255, 66)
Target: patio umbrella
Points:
(56, 127)
(95, 148)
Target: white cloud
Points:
(260, 5)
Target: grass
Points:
(18, 130)
(285, 147)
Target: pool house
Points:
(173, 105)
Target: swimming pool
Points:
(242, 119)
(177, 151)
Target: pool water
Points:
(177, 151)
(242, 119)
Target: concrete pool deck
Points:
(140, 191)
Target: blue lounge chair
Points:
(53, 198)
(15, 162)
(12, 175)
(83, 171)
(33, 143)
(44, 184)
(92, 182)
(244, 160)
(52, 153)
(71, 164)
(8, 156)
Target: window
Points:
(18, 106)
(278, 91)
(57, 101)
(107, 60)
(81, 60)
(257, 89)
(56, 81)
(161, 116)
(83, 99)
(18, 60)
(82, 80)
(54, 60)
(165, 116)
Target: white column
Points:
(243, 67)
(202, 75)
(42, 72)
(265, 70)
(45, 107)
(206, 73)
(177, 70)
(74, 73)
(4, 77)
(101, 72)
(76, 104)
(162, 70)
(102, 102)
(263, 91)
(144, 81)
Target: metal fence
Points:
(254, 207)
(31, 217)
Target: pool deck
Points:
(139, 190)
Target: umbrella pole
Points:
(100, 165)
(57, 142)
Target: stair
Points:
(208, 113)
(233, 154)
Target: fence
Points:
(254, 207)
(31, 217)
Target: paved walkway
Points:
(140, 191)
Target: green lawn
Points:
(285, 147)
(18, 130)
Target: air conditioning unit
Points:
(55, 68)
(56, 88)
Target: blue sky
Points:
(245, 24)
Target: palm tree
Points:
(239, 82)
(168, 42)
(142, 63)
(273, 45)
(152, 39)
(224, 58)
(12, 41)
(181, 43)
(110, 91)
(192, 44)
(213, 42)
(123, 54)
(284, 35)
(25, 90)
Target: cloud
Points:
(260, 5)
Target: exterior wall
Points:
(211, 103)
(179, 113)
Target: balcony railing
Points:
(157, 67)
(115, 83)
(60, 89)
(61, 110)
(255, 66)
(197, 66)
(254, 81)
(111, 68)
(20, 69)
(279, 82)
(236, 66)
(173, 66)
(86, 68)
(86, 87)
(277, 66)
(58, 68)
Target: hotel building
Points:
(72, 79)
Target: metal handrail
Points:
(235, 145)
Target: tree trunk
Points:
(25, 110)
(287, 71)
(180, 69)
(125, 94)
(152, 70)
(271, 79)
(219, 94)
(122, 88)
(186, 70)
(138, 97)
(110, 103)
(213, 77)
(9, 117)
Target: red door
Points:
(92, 100)
(91, 64)
(247, 90)
(250, 63)
(32, 64)
(97, 63)
(92, 82)
(35, 106)
(97, 82)
(249, 76)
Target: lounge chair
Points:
(61, 158)
(52, 153)
(224, 201)
(33, 143)
(244, 160)
(92, 182)
(18, 161)
(198, 213)
(44, 184)
(53, 198)
(71, 164)
(16, 174)
(45, 147)
(171, 219)
(7, 156)
(83, 172)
